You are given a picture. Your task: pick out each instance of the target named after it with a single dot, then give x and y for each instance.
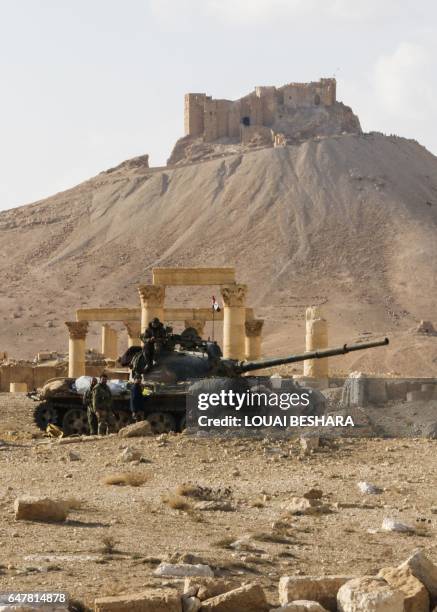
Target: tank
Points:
(183, 362)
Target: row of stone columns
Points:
(236, 342)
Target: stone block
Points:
(396, 389)
(322, 589)
(193, 276)
(369, 594)
(180, 570)
(248, 598)
(301, 606)
(29, 508)
(303, 506)
(144, 601)
(205, 588)
(416, 595)
(142, 428)
(424, 570)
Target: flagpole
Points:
(213, 313)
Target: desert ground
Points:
(228, 518)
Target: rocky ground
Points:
(237, 516)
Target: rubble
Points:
(247, 598)
(322, 589)
(29, 508)
(389, 524)
(415, 594)
(183, 569)
(304, 506)
(369, 594)
(301, 606)
(142, 428)
(145, 601)
(424, 570)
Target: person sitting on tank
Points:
(102, 405)
(136, 399)
(88, 405)
(154, 337)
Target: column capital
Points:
(254, 327)
(234, 295)
(313, 312)
(77, 329)
(152, 295)
(133, 328)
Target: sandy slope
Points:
(347, 221)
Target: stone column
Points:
(109, 342)
(316, 338)
(133, 332)
(253, 338)
(198, 325)
(76, 347)
(234, 318)
(152, 303)
(18, 387)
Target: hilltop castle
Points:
(213, 119)
(268, 116)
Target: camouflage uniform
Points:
(88, 404)
(102, 405)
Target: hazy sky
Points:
(86, 84)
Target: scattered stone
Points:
(248, 598)
(402, 579)
(145, 601)
(369, 594)
(214, 506)
(304, 506)
(368, 488)
(73, 456)
(183, 569)
(205, 588)
(424, 570)
(142, 428)
(389, 524)
(40, 509)
(311, 588)
(129, 454)
(301, 606)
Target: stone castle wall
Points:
(213, 119)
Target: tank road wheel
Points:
(161, 422)
(122, 419)
(75, 421)
(44, 414)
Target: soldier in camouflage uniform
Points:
(88, 404)
(102, 405)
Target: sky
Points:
(87, 84)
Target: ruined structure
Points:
(268, 116)
(264, 107)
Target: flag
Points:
(215, 306)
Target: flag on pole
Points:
(215, 306)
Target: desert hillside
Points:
(345, 221)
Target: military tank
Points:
(183, 362)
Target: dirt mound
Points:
(346, 221)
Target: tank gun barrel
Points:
(249, 366)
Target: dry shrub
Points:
(133, 479)
(224, 543)
(176, 502)
(108, 545)
(274, 538)
(188, 490)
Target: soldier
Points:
(102, 405)
(136, 399)
(153, 338)
(88, 404)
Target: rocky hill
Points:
(346, 221)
